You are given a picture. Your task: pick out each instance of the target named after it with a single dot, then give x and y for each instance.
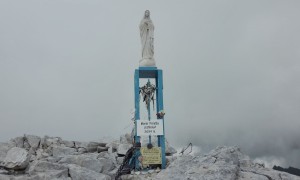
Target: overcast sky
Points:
(231, 71)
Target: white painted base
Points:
(147, 63)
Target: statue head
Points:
(147, 14)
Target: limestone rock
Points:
(169, 149)
(221, 163)
(48, 170)
(81, 144)
(16, 159)
(6, 177)
(88, 161)
(123, 148)
(70, 144)
(81, 173)
(4, 148)
(101, 149)
(107, 165)
(42, 166)
(59, 151)
(126, 139)
(93, 146)
(120, 160)
(33, 141)
(18, 141)
(54, 158)
(52, 141)
(110, 156)
(132, 177)
(112, 146)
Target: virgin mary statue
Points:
(147, 38)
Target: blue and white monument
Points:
(147, 93)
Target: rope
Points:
(127, 157)
(184, 149)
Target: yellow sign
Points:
(151, 156)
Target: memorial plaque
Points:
(151, 156)
(150, 128)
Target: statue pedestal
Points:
(147, 63)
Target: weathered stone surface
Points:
(169, 149)
(70, 144)
(6, 177)
(81, 144)
(4, 148)
(101, 149)
(59, 151)
(3, 171)
(120, 160)
(123, 148)
(133, 177)
(81, 173)
(16, 159)
(221, 163)
(42, 166)
(82, 150)
(92, 146)
(88, 161)
(33, 141)
(112, 146)
(18, 141)
(110, 156)
(48, 170)
(107, 165)
(126, 139)
(52, 141)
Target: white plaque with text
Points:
(152, 127)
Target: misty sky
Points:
(231, 71)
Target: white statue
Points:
(147, 39)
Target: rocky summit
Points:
(33, 158)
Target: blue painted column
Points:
(137, 101)
(160, 107)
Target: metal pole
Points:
(148, 108)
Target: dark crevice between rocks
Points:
(14, 172)
(216, 158)
(69, 175)
(237, 173)
(280, 176)
(259, 174)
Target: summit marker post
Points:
(157, 74)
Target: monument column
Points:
(148, 70)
